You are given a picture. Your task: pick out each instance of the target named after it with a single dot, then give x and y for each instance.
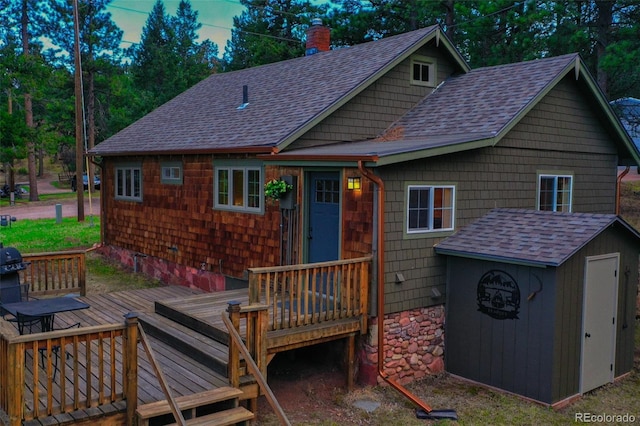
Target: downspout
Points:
(378, 181)
(619, 188)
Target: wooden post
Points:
(15, 383)
(351, 360)
(233, 309)
(82, 274)
(254, 288)
(131, 366)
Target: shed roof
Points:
(533, 237)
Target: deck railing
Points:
(45, 374)
(55, 273)
(305, 294)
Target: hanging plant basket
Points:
(275, 189)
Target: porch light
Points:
(353, 183)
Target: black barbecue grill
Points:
(11, 264)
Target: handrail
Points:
(53, 273)
(305, 294)
(177, 414)
(28, 364)
(251, 364)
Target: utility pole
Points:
(79, 126)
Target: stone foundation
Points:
(413, 343)
(167, 272)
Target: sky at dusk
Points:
(216, 17)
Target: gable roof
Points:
(474, 110)
(284, 100)
(530, 237)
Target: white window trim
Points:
(542, 175)
(128, 168)
(432, 70)
(430, 230)
(230, 167)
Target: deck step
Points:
(233, 416)
(168, 310)
(191, 406)
(203, 349)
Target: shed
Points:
(541, 304)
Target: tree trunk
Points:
(28, 111)
(605, 20)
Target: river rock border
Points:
(414, 346)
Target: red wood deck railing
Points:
(55, 273)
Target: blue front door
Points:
(323, 231)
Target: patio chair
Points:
(13, 294)
(42, 324)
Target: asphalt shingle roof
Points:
(465, 108)
(527, 236)
(484, 100)
(283, 97)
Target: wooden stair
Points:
(215, 407)
(193, 343)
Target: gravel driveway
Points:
(23, 209)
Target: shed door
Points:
(598, 321)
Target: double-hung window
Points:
(238, 187)
(129, 182)
(429, 208)
(554, 192)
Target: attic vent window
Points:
(423, 71)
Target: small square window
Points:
(171, 173)
(554, 192)
(423, 71)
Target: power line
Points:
(216, 26)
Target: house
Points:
(388, 147)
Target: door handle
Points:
(309, 236)
(587, 335)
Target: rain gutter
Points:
(380, 274)
(619, 188)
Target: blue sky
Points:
(216, 17)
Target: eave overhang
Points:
(203, 151)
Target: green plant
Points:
(276, 188)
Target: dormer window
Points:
(423, 71)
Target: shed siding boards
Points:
(183, 216)
(569, 310)
(512, 354)
(369, 113)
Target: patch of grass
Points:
(44, 235)
(105, 275)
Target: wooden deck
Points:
(284, 308)
(185, 376)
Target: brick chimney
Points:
(318, 37)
